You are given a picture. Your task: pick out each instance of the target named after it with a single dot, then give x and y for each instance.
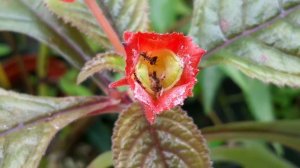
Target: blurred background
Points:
(222, 95)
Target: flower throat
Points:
(158, 71)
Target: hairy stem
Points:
(106, 26)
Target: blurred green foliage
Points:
(68, 85)
(4, 49)
(222, 95)
(165, 14)
(286, 102)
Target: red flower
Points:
(161, 69)
(68, 1)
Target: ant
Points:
(152, 60)
(156, 85)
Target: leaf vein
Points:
(252, 30)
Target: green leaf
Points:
(102, 161)
(4, 49)
(261, 38)
(28, 123)
(172, 141)
(211, 80)
(257, 94)
(128, 15)
(32, 18)
(285, 132)
(249, 157)
(164, 13)
(285, 108)
(68, 85)
(104, 61)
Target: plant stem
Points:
(23, 73)
(4, 81)
(42, 67)
(100, 104)
(106, 26)
(215, 118)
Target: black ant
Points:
(152, 60)
(155, 83)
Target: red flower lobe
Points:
(69, 1)
(160, 69)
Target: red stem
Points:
(106, 26)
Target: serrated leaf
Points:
(172, 141)
(285, 132)
(28, 123)
(104, 61)
(249, 157)
(32, 18)
(129, 15)
(261, 38)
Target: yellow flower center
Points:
(158, 70)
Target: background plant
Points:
(258, 38)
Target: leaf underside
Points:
(130, 15)
(104, 61)
(261, 38)
(172, 141)
(28, 123)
